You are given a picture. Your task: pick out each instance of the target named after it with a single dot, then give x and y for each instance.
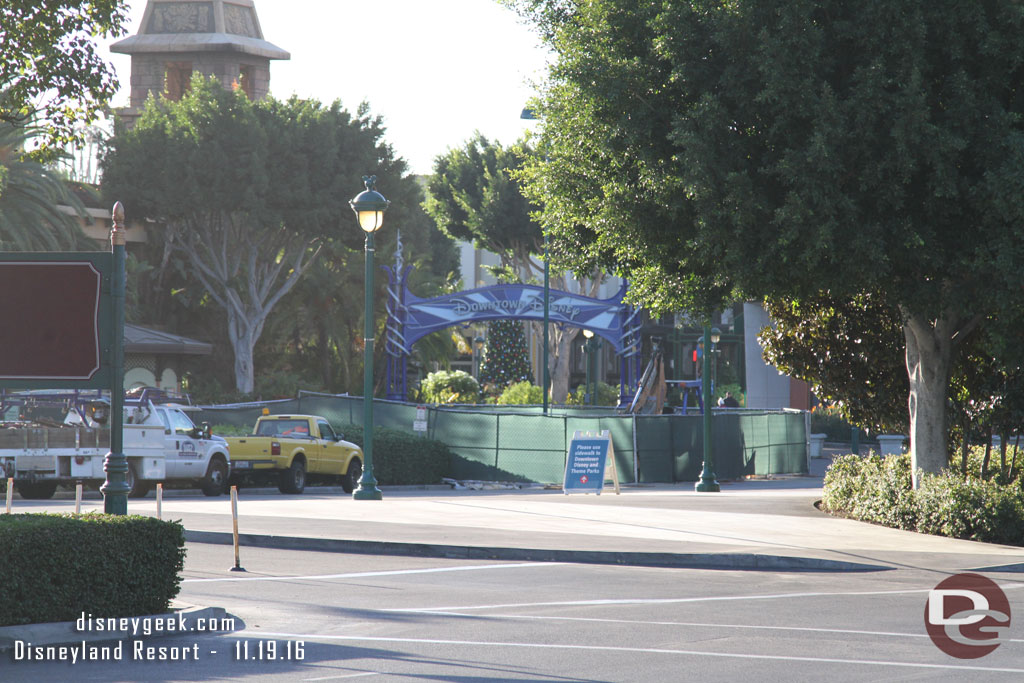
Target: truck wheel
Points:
(293, 479)
(350, 480)
(137, 488)
(39, 490)
(216, 481)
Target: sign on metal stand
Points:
(589, 462)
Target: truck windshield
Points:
(180, 422)
(294, 428)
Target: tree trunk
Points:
(560, 367)
(929, 356)
(243, 341)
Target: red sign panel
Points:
(49, 320)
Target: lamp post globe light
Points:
(708, 482)
(369, 207)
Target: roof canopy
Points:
(200, 26)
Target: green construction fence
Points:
(493, 443)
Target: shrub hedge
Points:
(876, 489)
(401, 458)
(55, 567)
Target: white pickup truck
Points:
(160, 442)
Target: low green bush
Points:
(55, 567)
(450, 387)
(401, 458)
(521, 394)
(607, 395)
(830, 422)
(876, 489)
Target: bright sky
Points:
(435, 70)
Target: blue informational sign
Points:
(587, 464)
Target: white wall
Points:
(766, 388)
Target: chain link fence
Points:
(521, 444)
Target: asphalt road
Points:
(307, 616)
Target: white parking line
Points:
(637, 650)
(692, 624)
(667, 601)
(360, 575)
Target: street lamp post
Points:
(591, 346)
(716, 336)
(529, 115)
(478, 345)
(369, 206)
(588, 398)
(708, 483)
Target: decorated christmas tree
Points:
(505, 360)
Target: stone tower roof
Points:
(191, 26)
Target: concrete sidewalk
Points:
(754, 524)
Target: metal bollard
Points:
(234, 526)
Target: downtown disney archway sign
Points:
(410, 318)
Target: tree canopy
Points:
(246, 193)
(49, 64)
(473, 196)
(710, 151)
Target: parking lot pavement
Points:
(757, 523)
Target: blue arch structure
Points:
(410, 318)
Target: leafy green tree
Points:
(30, 194)
(247, 193)
(49, 64)
(474, 195)
(850, 352)
(710, 151)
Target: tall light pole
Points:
(478, 346)
(708, 483)
(591, 346)
(716, 336)
(529, 115)
(369, 206)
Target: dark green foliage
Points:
(717, 151)
(850, 352)
(473, 196)
(54, 567)
(875, 489)
(401, 458)
(247, 194)
(506, 359)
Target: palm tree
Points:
(30, 199)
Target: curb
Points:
(740, 561)
(65, 632)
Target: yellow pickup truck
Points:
(288, 449)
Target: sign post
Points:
(589, 462)
(115, 489)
